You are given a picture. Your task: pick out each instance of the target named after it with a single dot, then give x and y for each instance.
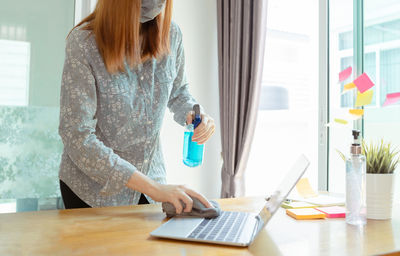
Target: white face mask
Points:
(150, 9)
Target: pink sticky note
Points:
(333, 211)
(363, 82)
(343, 75)
(391, 98)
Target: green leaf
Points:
(380, 157)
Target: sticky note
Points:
(305, 214)
(333, 211)
(340, 121)
(344, 74)
(348, 87)
(304, 188)
(356, 114)
(364, 98)
(391, 98)
(363, 82)
(296, 205)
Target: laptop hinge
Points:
(256, 227)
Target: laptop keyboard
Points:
(226, 227)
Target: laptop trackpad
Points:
(177, 227)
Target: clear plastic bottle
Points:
(356, 213)
(192, 152)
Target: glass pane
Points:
(340, 58)
(382, 37)
(32, 40)
(288, 113)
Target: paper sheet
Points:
(304, 188)
(348, 87)
(340, 121)
(356, 114)
(344, 74)
(391, 98)
(363, 82)
(364, 98)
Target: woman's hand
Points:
(204, 130)
(166, 193)
(176, 193)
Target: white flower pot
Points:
(379, 196)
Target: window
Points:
(14, 71)
(288, 114)
(380, 60)
(32, 44)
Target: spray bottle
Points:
(192, 152)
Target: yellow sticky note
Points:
(340, 121)
(348, 87)
(304, 188)
(356, 112)
(305, 214)
(364, 98)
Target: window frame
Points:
(324, 78)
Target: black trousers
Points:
(72, 201)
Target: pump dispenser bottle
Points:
(192, 152)
(355, 184)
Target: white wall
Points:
(198, 22)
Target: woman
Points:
(124, 65)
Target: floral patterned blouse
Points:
(110, 123)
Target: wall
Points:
(46, 31)
(198, 22)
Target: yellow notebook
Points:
(305, 214)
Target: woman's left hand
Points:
(204, 130)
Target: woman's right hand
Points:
(176, 193)
(166, 193)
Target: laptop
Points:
(232, 228)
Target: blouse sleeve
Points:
(78, 121)
(180, 101)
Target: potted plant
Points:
(382, 160)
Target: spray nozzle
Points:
(196, 109)
(197, 116)
(356, 135)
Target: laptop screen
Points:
(283, 190)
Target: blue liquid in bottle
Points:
(192, 152)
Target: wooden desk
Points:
(125, 231)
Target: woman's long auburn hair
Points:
(121, 37)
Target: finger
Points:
(207, 132)
(178, 205)
(188, 202)
(206, 137)
(199, 196)
(200, 130)
(189, 117)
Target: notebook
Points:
(305, 214)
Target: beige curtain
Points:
(241, 40)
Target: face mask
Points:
(150, 9)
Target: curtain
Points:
(241, 40)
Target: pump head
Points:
(355, 146)
(356, 134)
